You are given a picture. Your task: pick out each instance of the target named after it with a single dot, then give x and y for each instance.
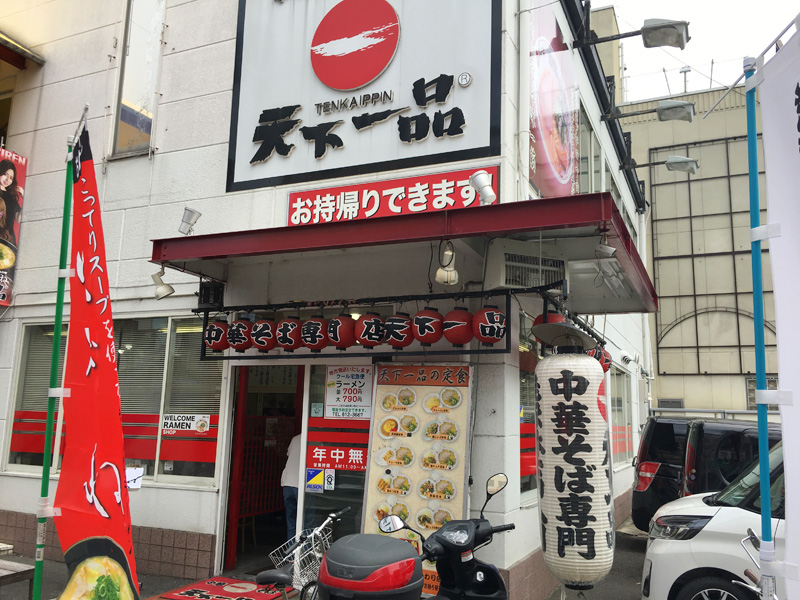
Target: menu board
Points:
(418, 449)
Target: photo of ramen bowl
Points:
(388, 426)
(97, 569)
(447, 458)
(404, 455)
(442, 516)
(449, 429)
(445, 487)
(400, 510)
(8, 255)
(409, 423)
(202, 425)
(401, 484)
(406, 397)
(451, 397)
(389, 400)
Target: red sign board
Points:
(339, 458)
(408, 196)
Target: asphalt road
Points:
(625, 580)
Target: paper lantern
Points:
(489, 325)
(602, 355)
(398, 331)
(428, 326)
(314, 333)
(342, 331)
(216, 335)
(370, 330)
(239, 335)
(551, 318)
(288, 334)
(575, 498)
(263, 335)
(458, 326)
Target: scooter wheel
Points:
(309, 591)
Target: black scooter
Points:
(370, 566)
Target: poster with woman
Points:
(12, 191)
(419, 450)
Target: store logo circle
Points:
(354, 43)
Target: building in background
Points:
(316, 189)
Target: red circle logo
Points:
(354, 43)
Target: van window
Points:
(667, 443)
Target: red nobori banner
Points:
(339, 458)
(95, 522)
(12, 190)
(408, 196)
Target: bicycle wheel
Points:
(309, 591)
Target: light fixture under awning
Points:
(577, 222)
(15, 53)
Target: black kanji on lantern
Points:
(494, 326)
(261, 333)
(285, 330)
(572, 537)
(273, 124)
(575, 510)
(570, 418)
(424, 325)
(397, 328)
(374, 330)
(568, 384)
(442, 86)
(570, 447)
(311, 333)
(322, 137)
(236, 333)
(213, 334)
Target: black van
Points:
(682, 456)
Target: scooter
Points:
(371, 566)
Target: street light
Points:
(654, 32)
(673, 163)
(668, 110)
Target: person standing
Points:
(290, 481)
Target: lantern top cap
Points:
(563, 334)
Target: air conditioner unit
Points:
(521, 264)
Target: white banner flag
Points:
(780, 114)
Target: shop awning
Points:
(15, 53)
(597, 284)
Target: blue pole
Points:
(758, 306)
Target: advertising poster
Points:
(94, 527)
(418, 450)
(12, 191)
(554, 105)
(348, 392)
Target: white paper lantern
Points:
(576, 505)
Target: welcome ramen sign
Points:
(333, 88)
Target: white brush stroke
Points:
(357, 43)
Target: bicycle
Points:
(297, 561)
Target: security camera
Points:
(626, 358)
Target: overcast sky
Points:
(722, 31)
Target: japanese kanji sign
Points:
(419, 449)
(357, 87)
(92, 494)
(425, 193)
(348, 393)
(336, 457)
(576, 500)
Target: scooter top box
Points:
(358, 567)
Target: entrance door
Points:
(267, 415)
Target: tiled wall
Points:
(157, 551)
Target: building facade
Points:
(314, 190)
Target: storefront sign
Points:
(199, 424)
(315, 480)
(342, 458)
(554, 103)
(348, 393)
(12, 190)
(412, 195)
(418, 456)
(360, 87)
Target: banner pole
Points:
(41, 529)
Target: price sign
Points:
(348, 393)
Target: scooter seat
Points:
(282, 576)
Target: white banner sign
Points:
(780, 115)
(332, 88)
(348, 393)
(199, 423)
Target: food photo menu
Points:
(418, 448)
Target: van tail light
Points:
(687, 489)
(646, 472)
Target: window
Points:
(670, 403)
(590, 161)
(528, 360)
(772, 384)
(154, 384)
(621, 417)
(5, 113)
(139, 67)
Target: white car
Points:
(694, 550)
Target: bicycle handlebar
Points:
(507, 527)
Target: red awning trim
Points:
(596, 211)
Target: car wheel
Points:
(713, 588)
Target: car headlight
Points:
(677, 527)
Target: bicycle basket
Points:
(306, 558)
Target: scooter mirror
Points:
(496, 483)
(391, 524)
